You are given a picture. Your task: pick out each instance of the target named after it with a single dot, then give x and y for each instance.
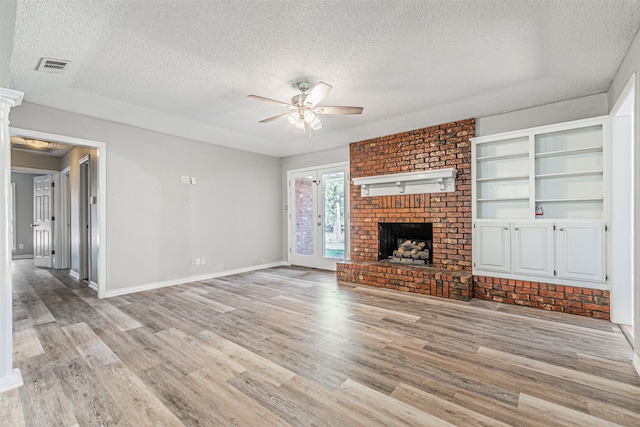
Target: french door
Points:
(318, 217)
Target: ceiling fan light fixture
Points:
(309, 116)
(300, 125)
(293, 118)
(36, 143)
(316, 124)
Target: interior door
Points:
(318, 217)
(42, 208)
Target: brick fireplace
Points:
(437, 147)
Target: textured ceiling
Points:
(185, 67)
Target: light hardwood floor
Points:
(288, 346)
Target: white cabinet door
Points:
(581, 251)
(492, 246)
(533, 248)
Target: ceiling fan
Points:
(304, 107)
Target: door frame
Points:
(623, 270)
(347, 216)
(64, 260)
(84, 175)
(101, 196)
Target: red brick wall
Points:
(436, 147)
(569, 299)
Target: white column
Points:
(9, 378)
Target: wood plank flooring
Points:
(288, 346)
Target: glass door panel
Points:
(304, 218)
(333, 242)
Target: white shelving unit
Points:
(560, 170)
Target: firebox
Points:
(406, 242)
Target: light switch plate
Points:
(184, 179)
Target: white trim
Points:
(540, 129)
(93, 285)
(190, 279)
(64, 195)
(11, 381)
(13, 218)
(10, 96)
(101, 196)
(23, 256)
(628, 88)
(327, 166)
(74, 274)
(636, 362)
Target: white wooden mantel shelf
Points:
(423, 182)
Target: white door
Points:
(318, 207)
(492, 246)
(581, 251)
(534, 249)
(42, 227)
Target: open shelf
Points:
(580, 199)
(503, 178)
(569, 152)
(503, 157)
(568, 174)
(503, 199)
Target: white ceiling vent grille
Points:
(48, 65)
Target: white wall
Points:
(302, 161)
(24, 212)
(630, 65)
(7, 29)
(232, 218)
(558, 112)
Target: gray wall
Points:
(558, 112)
(24, 212)
(7, 30)
(629, 66)
(26, 159)
(155, 224)
(301, 161)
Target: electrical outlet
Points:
(188, 199)
(21, 246)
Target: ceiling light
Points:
(36, 143)
(309, 116)
(293, 118)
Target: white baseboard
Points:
(11, 381)
(25, 256)
(74, 274)
(93, 285)
(190, 279)
(636, 362)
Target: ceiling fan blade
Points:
(273, 101)
(338, 110)
(270, 119)
(317, 94)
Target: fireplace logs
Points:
(411, 252)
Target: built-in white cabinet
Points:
(540, 202)
(493, 246)
(581, 251)
(533, 249)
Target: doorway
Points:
(95, 265)
(318, 216)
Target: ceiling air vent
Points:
(48, 65)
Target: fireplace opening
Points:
(406, 243)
